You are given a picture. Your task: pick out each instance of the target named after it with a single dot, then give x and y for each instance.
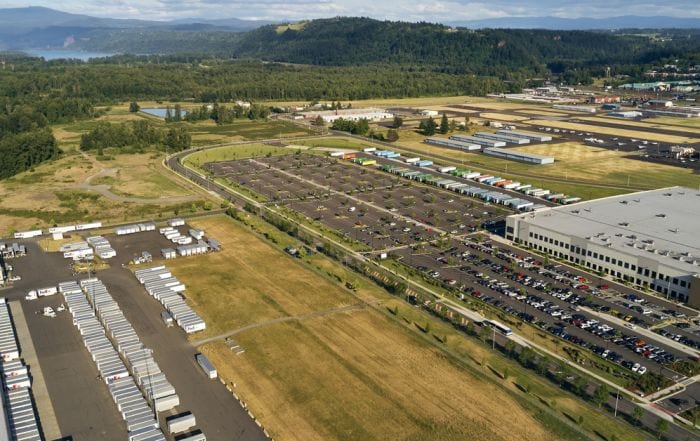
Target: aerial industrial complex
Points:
(649, 238)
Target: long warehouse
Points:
(453, 144)
(480, 141)
(504, 138)
(512, 155)
(536, 137)
(647, 238)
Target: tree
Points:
(600, 396)
(444, 124)
(428, 127)
(178, 113)
(392, 135)
(168, 114)
(319, 121)
(398, 122)
(362, 127)
(453, 126)
(134, 107)
(637, 414)
(661, 427)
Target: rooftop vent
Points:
(673, 230)
(648, 241)
(662, 215)
(631, 236)
(575, 211)
(623, 202)
(636, 200)
(624, 224)
(618, 235)
(668, 194)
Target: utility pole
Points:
(617, 398)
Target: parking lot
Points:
(80, 400)
(549, 296)
(378, 209)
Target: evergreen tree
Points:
(398, 122)
(168, 114)
(392, 135)
(429, 127)
(444, 124)
(134, 107)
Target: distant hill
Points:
(355, 41)
(622, 22)
(38, 27)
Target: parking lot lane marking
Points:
(49, 425)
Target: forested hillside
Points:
(498, 52)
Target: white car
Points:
(636, 367)
(642, 370)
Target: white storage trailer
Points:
(181, 423)
(206, 365)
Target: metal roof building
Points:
(513, 155)
(480, 141)
(648, 238)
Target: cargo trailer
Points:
(206, 365)
(181, 423)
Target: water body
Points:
(160, 112)
(48, 54)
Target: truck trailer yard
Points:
(78, 400)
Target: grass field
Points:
(577, 161)
(360, 374)
(336, 142)
(502, 117)
(686, 122)
(639, 134)
(543, 112)
(52, 192)
(230, 152)
(649, 124)
(351, 375)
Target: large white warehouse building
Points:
(650, 239)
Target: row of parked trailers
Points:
(102, 247)
(18, 421)
(134, 228)
(174, 235)
(463, 188)
(65, 229)
(125, 364)
(164, 287)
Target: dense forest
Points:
(134, 134)
(346, 41)
(211, 80)
(25, 139)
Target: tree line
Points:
(134, 134)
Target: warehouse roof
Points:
(658, 224)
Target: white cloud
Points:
(408, 10)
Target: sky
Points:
(407, 10)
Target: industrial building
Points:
(330, 116)
(626, 114)
(512, 155)
(648, 238)
(536, 137)
(469, 146)
(585, 109)
(502, 137)
(480, 141)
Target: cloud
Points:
(407, 10)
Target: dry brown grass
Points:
(348, 376)
(249, 282)
(639, 134)
(503, 117)
(650, 124)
